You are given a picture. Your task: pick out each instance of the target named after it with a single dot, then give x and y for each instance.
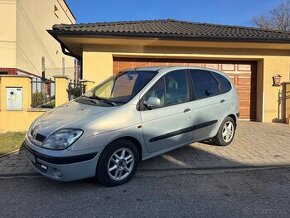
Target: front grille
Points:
(40, 137)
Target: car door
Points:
(167, 125)
(209, 105)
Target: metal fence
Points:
(75, 89)
(42, 93)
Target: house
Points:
(250, 56)
(25, 46)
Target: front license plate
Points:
(30, 155)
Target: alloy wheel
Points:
(121, 164)
(228, 131)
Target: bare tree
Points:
(276, 19)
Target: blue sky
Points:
(232, 12)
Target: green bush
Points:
(40, 100)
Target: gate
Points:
(75, 89)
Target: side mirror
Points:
(152, 102)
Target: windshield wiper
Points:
(89, 99)
(107, 101)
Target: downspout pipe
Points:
(67, 52)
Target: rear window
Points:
(204, 84)
(225, 84)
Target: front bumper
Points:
(61, 168)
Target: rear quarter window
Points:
(224, 83)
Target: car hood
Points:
(69, 115)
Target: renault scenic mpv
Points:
(132, 116)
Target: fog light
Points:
(43, 166)
(58, 172)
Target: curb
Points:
(236, 168)
(11, 152)
(242, 167)
(8, 175)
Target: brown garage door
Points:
(242, 74)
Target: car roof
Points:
(166, 69)
(150, 68)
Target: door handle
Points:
(186, 110)
(222, 101)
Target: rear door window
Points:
(204, 84)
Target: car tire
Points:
(226, 132)
(117, 163)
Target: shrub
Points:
(38, 99)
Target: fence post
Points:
(88, 84)
(61, 85)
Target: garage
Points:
(242, 73)
(251, 57)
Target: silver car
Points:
(132, 116)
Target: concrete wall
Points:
(16, 120)
(12, 121)
(7, 33)
(274, 65)
(98, 65)
(24, 39)
(34, 17)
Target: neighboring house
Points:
(25, 45)
(250, 56)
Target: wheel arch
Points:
(234, 118)
(135, 142)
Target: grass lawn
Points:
(10, 141)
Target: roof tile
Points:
(170, 28)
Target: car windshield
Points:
(120, 88)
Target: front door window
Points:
(171, 89)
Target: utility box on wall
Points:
(14, 98)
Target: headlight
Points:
(62, 139)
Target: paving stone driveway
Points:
(255, 145)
